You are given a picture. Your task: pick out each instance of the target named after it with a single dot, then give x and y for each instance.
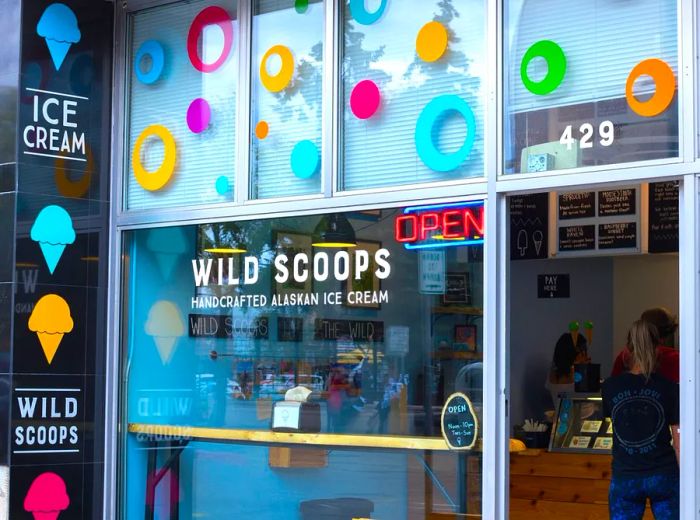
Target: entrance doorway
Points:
(584, 265)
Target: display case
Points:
(580, 425)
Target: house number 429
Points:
(606, 132)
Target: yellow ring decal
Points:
(69, 188)
(279, 81)
(153, 181)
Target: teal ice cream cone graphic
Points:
(58, 26)
(53, 230)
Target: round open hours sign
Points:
(460, 427)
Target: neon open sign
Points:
(443, 225)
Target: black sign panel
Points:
(617, 236)
(290, 329)
(577, 238)
(460, 426)
(226, 327)
(60, 487)
(663, 217)
(576, 205)
(553, 286)
(612, 203)
(348, 329)
(529, 216)
(457, 289)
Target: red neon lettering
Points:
(474, 221)
(425, 226)
(400, 228)
(449, 222)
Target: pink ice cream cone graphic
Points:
(58, 26)
(47, 497)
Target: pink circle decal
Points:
(364, 99)
(198, 115)
(210, 16)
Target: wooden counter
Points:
(552, 486)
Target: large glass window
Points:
(182, 72)
(413, 91)
(286, 90)
(590, 83)
(371, 319)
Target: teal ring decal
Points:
(362, 16)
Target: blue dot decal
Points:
(154, 49)
(429, 119)
(305, 159)
(222, 187)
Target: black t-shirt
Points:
(641, 413)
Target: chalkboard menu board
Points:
(663, 217)
(617, 236)
(460, 426)
(529, 216)
(577, 238)
(576, 205)
(612, 203)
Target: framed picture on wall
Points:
(291, 244)
(367, 281)
(465, 338)
(457, 289)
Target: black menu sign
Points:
(617, 236)
(577, 238)
(227, 327)
(528, 226)
(460, 426)
(290, 329)
(663, 217)
(576, 205)
(612, 203)
(357, 330)
(553, 285)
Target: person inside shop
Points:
(644, 408)
(571, 349)
(668, 356)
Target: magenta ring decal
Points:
(210, 16)
(365, 99)
(198, 115)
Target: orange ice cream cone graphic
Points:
(51, 320)
(166, 326)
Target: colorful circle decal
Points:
(305, 159)
(665, 81)
(210, 16)
(425, 130)
(153, 181)
(279, 81)
(556, 67)
(198, 115)
(67, 187)
(301, 6)
(262, 129)
(362, 16)
(82, 73)
(365, 99)
(222, 187)
(154, 50)
(431, 42)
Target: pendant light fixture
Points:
(334, 231)
(224, 239)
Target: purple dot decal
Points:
(364, 99)
(198, 115)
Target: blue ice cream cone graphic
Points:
(53, 230)
(58, 26)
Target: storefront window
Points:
(286, 89)
(412, 105)
(182, 70)
(590, 83)
(345, 330)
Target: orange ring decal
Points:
(67, 187)
(665, 82)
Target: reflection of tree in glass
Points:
(307, 82)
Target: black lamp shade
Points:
(334, 231)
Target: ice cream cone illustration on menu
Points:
(58, 26)
(53, 230)
(51, 320)
(166, 326)
(167, 244)
(47, 497)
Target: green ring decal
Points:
(556, 67)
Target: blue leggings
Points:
(628, 497)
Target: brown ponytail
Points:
(643, 339)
